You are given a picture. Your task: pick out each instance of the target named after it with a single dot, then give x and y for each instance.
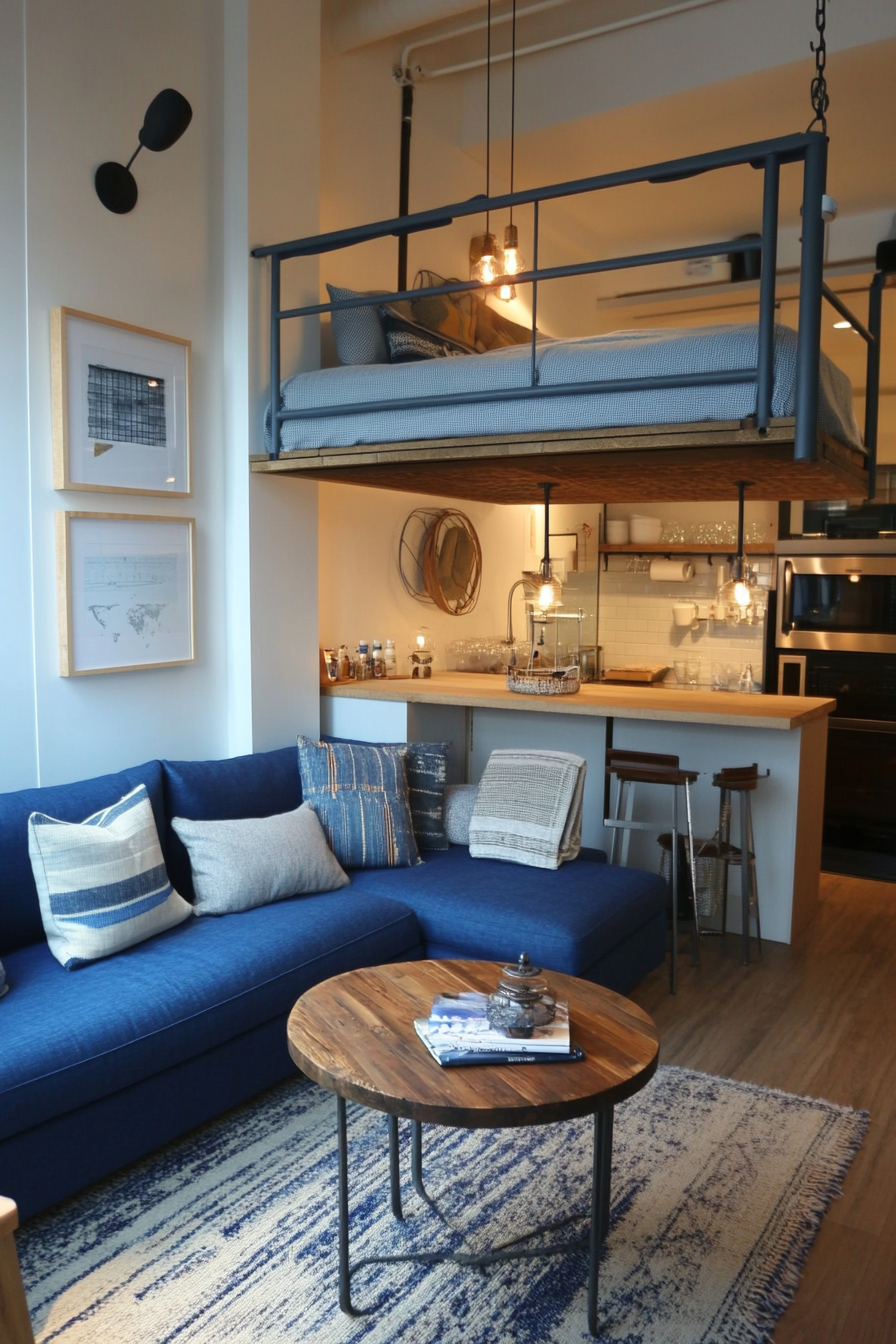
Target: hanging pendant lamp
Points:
(513, 261)
(737, 593)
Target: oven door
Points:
(837, 602)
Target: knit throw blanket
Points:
(529, 808)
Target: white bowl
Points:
(617, 531)
(645, 530)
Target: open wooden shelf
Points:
(685, 548)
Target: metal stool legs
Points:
(744, 781)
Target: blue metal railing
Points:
(767, 156)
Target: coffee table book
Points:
(512, 1052)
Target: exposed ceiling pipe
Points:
(359, 23)
(633, 21)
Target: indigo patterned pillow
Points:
(102, 884)
(427, 768)
(357, 332)
(360, 795)
(4, 987)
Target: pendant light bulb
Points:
(548, 595)
(513, 261)
(507, 292)
(742, 594)
(487, 268)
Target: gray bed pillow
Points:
(460, 800)
(238, 865)
(357, 332)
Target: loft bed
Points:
(666, 415)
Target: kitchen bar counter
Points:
(479, 690)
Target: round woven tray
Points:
(535, 681)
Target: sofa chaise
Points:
(102, 1064)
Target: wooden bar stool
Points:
(742, 780)
(642, 767)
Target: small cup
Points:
(684, 614)
(617, 531)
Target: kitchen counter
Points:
(480, 690)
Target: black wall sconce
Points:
(167, 117)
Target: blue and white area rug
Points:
(229, 1236)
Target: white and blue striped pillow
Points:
(102, 883)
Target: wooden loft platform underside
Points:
(654, 463)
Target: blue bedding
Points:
(622, 354)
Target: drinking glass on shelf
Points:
(693, 665)
(680, 668)
(674, 533)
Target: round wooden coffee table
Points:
(354, 1034)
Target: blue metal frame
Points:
(766, 156)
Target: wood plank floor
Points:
(818, 1019)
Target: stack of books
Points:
(457, 1031)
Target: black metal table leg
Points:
(600, 1204)
(345, 1298)
(417, 1160)
(394, 1171)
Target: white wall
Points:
(74, 84)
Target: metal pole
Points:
(805, 447)
(404, 177)
(769, 262)
(275, 357)
(872, 378)
(532, 375)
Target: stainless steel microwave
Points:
(837, 602)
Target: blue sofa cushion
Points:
(70, 1039)
(243, 786)
(566, 920)
(20, 921)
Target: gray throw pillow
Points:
(460, 800)
(238, 865)
(357, 332)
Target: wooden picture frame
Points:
(121, 407)
(124, 592)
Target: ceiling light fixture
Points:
(737, 591)
(167, 117)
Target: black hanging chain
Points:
(819, 90)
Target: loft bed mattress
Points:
(622, 354)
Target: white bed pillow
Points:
(102, 883)
(238, 865)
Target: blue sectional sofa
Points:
(100, 1065)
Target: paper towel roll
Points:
(671, 571)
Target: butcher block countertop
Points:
(480, 690)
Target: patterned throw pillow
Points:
(360, 795)
(357, 332)
(409, 343)
(427, 767)
(102, 883)
(4, 987)
(238, 865)
(463, 318)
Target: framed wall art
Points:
(124, 592)
(121, 407)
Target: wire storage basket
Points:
(543, 680)
(709, 872)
